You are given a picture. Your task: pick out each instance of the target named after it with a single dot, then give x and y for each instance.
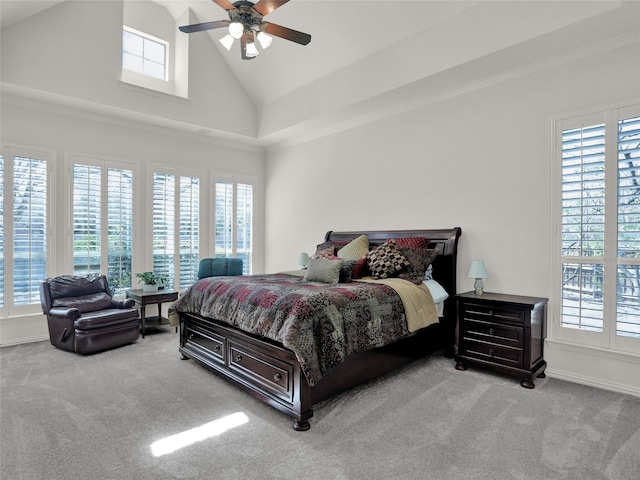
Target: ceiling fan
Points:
(246, 23)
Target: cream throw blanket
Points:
(419, 307)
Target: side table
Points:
(143, 299)
(502, 332)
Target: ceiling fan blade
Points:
(287, 33)
(243, 46)
(264, 7)
(226, 4)
(199, 27)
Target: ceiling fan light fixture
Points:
(251, 51)
(227, 41)
(236, 29)
(265, 39)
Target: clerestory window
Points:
(144, 54)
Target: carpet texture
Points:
(65, 416)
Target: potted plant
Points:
(151, 281)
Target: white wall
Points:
(480, 160)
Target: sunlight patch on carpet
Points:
(180, 440)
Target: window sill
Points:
(153, 92)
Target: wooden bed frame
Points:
(272, 374)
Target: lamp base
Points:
(479, 286)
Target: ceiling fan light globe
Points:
(251, 51)
(236, 29)
(227, 41)
(265, 39)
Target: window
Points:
(176, 201)
(600, 228)
(103, 209)
(234, 221)
(24, 217)
(144, 54)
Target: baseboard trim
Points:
(591, 381)
(18, 341)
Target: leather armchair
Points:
(219, 267)
(83, 317)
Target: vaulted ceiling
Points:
(373, 57)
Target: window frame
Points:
(248, 267)
(9, 151)
(607, 339)
(104, 163)
(142, 75)
(178, 174)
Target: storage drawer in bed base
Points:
(271, 374)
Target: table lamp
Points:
(303, 260)
(478, 271)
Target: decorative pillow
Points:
(361, 268)
(323, 270)
(335, 245)
(327, 253)
(413, 242)
(419, 259)
(355, 249)
(346, 271)
(387, 261)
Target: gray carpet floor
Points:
(65, 416)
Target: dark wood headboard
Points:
(444, 266)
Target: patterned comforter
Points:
(321, 324)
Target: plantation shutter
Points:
(628, 219)
(234, 222)
(189, 230)
(119, 228)
(29, 228)
(86, 219)
(583, 209)
(164, 205)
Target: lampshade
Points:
(477, 270)
(251, 51)
(265, 39)
(303, 259)
(227, 41)
(236, 29)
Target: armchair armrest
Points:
(126, 303)
(70, 313)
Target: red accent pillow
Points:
(412, 242)
(361, 269)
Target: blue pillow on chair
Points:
(219, 267)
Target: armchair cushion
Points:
(85, 303)
(104, 318)
(63, 312)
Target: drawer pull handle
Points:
(191, 336)
(238, 358)
(217, 348)
(491, 352)
(491, 331)
(277, 377)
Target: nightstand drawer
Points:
(495, 333)
(495, 312)
(493, 353)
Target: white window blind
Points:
(234, 222)
(583, 205)
(600, 229)
(119, 228)
(87, 212)
(176, 208)
(164, 205)
(103, 209)
(628, 272)
(29, 228)
(189, 230)
(1, 231)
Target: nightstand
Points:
(504, 333)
